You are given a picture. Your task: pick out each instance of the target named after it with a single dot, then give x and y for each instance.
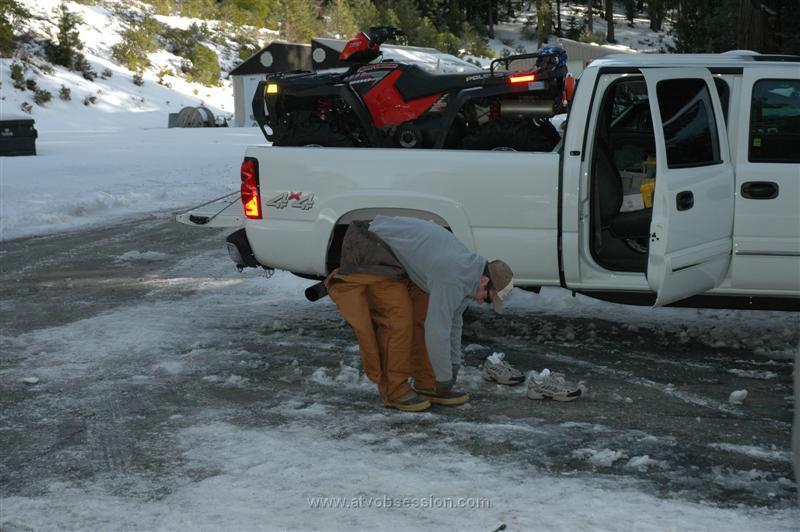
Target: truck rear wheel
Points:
(516, 135)
(314, 134)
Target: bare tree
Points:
(558, 18)
(610, 20)
(490, 4)
(589, 21)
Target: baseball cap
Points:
(501, 280)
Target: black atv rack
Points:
(506, 61)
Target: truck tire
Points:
(516, 135)
(314, 134)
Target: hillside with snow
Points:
(117, 101)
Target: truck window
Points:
(775, 121)
(690, 130)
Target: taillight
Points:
(527, 78)
(569, 87)
(251, 199)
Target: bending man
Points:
(444, 277)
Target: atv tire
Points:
(514, 135)
(314, 134)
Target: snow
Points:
(265, 480)
(753, 451)
(753, 373)
(120, 103)
(90, 176)
(644, 462)
(496, 357)
(600, 458)
(117, 161)
(737, 397)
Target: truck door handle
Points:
(684, 200)
(760, 190)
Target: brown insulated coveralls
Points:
(386, 311)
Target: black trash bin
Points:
(17, 135)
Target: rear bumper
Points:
(240, 252)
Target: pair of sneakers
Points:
(544, 385)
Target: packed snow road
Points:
(145, 384)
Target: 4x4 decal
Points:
(297, 200)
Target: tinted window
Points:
(775, 121)
(630, 108)
(687, 116)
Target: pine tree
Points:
(544, 20)
(455, 16)
(138, 40)
(342, 22)
(365, 13)
(630, 11)
(573, 30)
(300, 22)
(409, 20)
(10, 11)
(64, 52)
(387, 16)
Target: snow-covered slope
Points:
(119, 102)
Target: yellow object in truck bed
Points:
(647, 188)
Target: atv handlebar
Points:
(381, 34)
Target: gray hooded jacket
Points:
(442, 266)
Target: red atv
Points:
(390, 104)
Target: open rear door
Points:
(225, 211)
(692, 225)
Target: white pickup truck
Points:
(677, 181)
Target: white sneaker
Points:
(496, 369)
(551, 385)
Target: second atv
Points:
(391, 104)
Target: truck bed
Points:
(499, 204)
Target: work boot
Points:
(445, 394)
(409, 402)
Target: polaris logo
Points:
(476, 77)
(7, 133)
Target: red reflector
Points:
(522, 79)
(251, 199)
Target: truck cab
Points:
(723, 217)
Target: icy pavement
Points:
(174, 393)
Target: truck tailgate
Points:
(225, 211)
